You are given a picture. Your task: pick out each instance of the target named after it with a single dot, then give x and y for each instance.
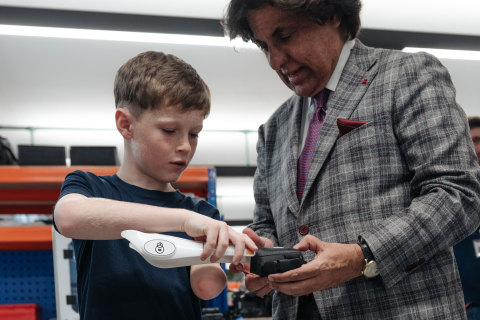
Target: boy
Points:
(161, 102)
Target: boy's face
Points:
(163, 143)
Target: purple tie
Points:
(316, 124)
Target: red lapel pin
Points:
(364, 80)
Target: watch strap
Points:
(366, 250)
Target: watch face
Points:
(371, 270)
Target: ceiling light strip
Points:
(448, 54)
(128, 36)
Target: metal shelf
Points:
(35, 190)
(26, 238)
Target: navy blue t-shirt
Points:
(468, 262)
(115, 282)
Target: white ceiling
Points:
(442, 16)
(51, 82)
(69, 83)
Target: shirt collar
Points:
(342, 61)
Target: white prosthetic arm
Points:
(164, 251)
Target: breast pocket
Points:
(357, 139)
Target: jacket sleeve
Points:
(433, 137)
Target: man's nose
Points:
(276, 58)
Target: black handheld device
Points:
(275, 260)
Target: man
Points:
(474, 124)
(368, 166)
(467, 252)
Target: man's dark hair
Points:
(348, 11)
(474, 122)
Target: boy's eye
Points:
(168, 131)
(194, 135)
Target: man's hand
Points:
(334, 263)
(254, 283)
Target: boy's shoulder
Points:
(82, 174)
(88, 178)
(86, 183)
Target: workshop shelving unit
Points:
(26, 263)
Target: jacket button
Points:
(303, 230)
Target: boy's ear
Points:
(123, 120)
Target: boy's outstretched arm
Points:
(80, 217)
(207, 280)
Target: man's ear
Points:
(336, 21)
(123, 120)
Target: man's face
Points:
(302, 52)
(475, 134)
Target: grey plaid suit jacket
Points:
(407, 181)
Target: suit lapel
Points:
(342, 102)
(289, 128)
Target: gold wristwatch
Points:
(370, 269)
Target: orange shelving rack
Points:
(26, 238)
(35, 189)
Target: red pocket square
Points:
(346, 125)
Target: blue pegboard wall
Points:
(27, 277)
(221, 301)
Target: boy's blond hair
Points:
(155, 79)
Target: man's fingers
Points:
(309, 243)
(306, 271)
(259, 241)
(297, 289)
(241, 267)
(249, 243)
(263, 292)
(252, 235)
(246, 267)
(257, 284)
(236, 268)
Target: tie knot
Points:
(321, 99)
